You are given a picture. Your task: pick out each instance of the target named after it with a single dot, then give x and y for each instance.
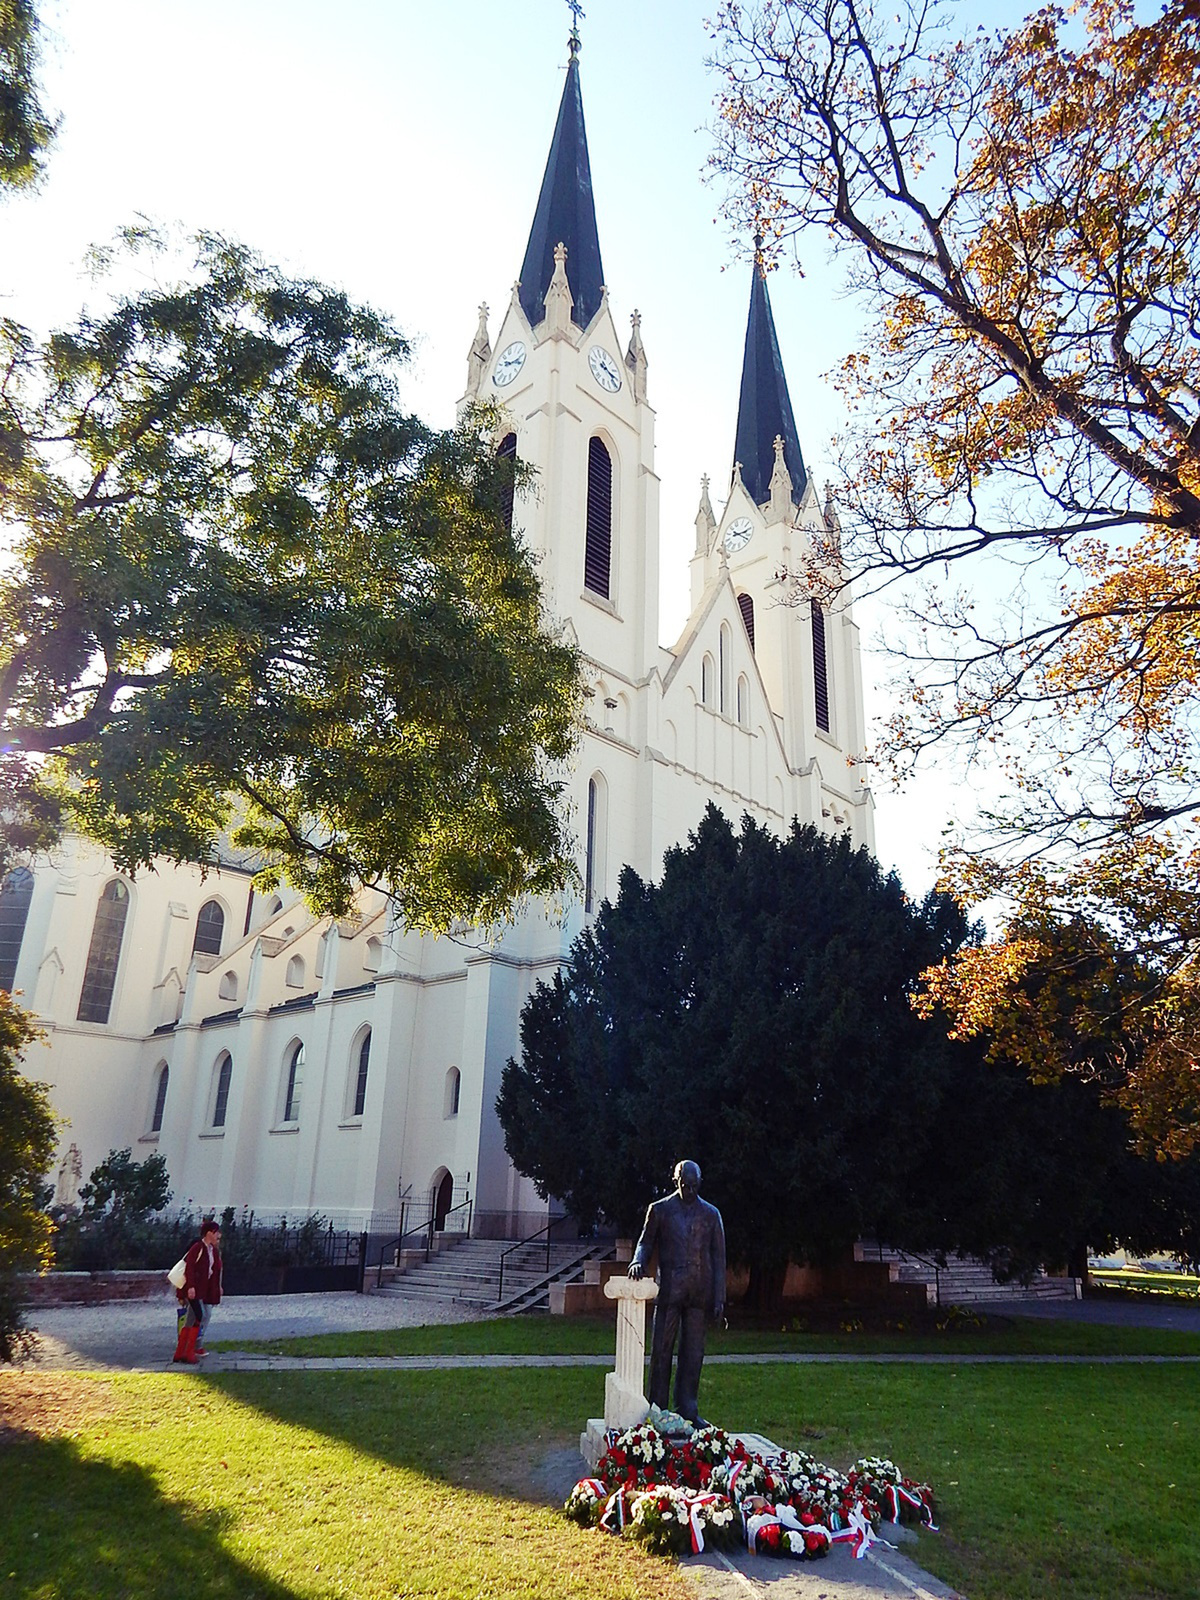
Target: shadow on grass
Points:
(73, 1526)
(513, 1433)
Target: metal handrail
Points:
(925, 1262)
(520, 1245)
(428, 1228)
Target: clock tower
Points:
(574, 407)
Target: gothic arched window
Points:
(210, 929)
(221, 1095)
(820, 668)
(453, 1090)
(160, 1099)
(597, 557)
(360, 1082)
(104, 953)
(706, 680)
(597, 822)
(507, 451)
(723, 669)
(15, 894)
(294, 1084)
(746, 607)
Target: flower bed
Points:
(710, 1492)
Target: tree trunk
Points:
(764, 1293)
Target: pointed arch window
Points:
(746, 607)
(507, 452)
(221, 1096)
(15, 894)
(820, 668)
(593, 872)
(360, 1082)
(453, 1092)
(706, 681)
(210, 929)
(160, 1099)
(597, 557)
(294, 1085)
(723, 669)
(104, 954)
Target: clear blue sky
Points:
(395, 148)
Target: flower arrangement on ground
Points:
(711, 1491)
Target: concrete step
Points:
(965, 1280)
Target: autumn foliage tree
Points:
(1021, 212)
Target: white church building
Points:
(290, 1065)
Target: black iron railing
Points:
(546, 1229)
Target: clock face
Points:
(604, 369)
(737, 534)
(508, 364)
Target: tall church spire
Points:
(565, 214)
(765, 407)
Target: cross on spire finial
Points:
(577, 16)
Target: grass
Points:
(1055, 1483)
(1184, 1284)
(594, 1336)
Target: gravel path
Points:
(141, 1333)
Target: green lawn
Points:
(594, 1336)
(1055, 1483)
(1184, 1284)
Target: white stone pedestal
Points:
(625, 1403)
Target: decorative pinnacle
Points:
(574, 44)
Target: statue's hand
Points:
(635, 1271)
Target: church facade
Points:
(291, 1065)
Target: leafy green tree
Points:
(250, 592)
(27, 1136)
(750, 1012)
(25, 128)
(123, 1188)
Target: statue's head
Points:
(687, 1181)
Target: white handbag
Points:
(177, 1276)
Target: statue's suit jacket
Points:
(690, 1242)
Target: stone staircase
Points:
(467, 1271)
(964, 1280)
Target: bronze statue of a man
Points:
(689, 1237)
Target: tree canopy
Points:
(1019, 213)
(25, 126)
(249, 592)
(752, 1012)
(27, 1139)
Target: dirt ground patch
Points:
(47, 1403)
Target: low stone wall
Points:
(92, 1288)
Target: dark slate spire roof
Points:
(565, 215)
(764, 407)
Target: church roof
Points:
(566, 215)
(765, 407)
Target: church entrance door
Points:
(442, 1201)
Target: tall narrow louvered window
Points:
(507, 452)
(597, 557)
(820, 668)
(589, 871)
(104, 953)
(210, 929)
(15, 894)
(746, 607)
